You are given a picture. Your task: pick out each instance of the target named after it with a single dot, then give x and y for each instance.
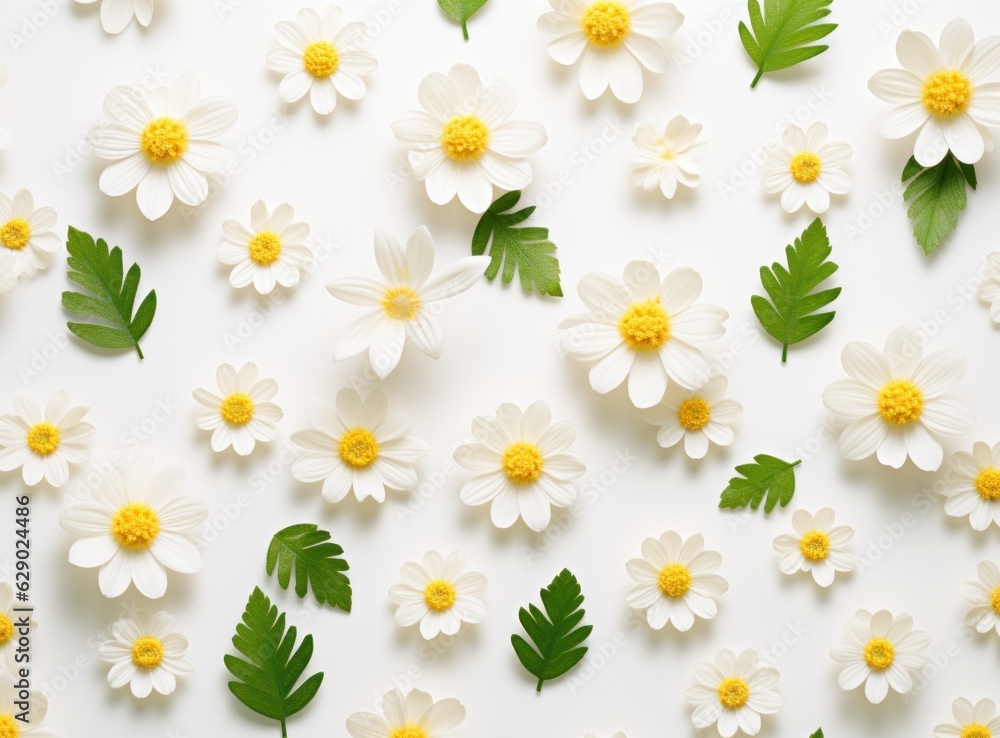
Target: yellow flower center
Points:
(674, 580)
(358, 447)
(265, 247)
(237, 409)
(321, 59)
(147, 652)
(694, 414)
(606, 22)
(815, 545)
(43, 438)
(410, 731)
(401, 303)
(523, 462)
(6, 629)
(947, 92)
(645, 326)
(879, 653)
(136, 525)
(15, 234)
(988, 484)
(975, 730)
(439, 595)
(994, 601)
(900, 402)
(9, 727)
(164, 140)
(805, 167)
(465, 137)
(733, 693)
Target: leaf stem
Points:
(284, 729)
(796, 463)
(538, 688)
(465, 30)
(784, 353)
(760, 73)
(139, 350)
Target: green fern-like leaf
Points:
(316, 563)
(937, 196)
(817, 734)
(783, 31)
(767, 475)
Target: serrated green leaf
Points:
(781, 33)
(100, 271)
(272, 665)
(938, 195)
(524, 250)
(767, 475)
(461, 10)
(817, 734)
(790, 316)
(316, 563)
(555, 632)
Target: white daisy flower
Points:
(616, 39)
(943, 93)
(973, 487)
(984, 596)
(25, 233)
(270, 252)
(402, 306)
(666, 155)
(807, 168)
(146, 657)
(43, 443)
(521, 465)
(893, 401)
(357, 445)
(4, 136)
(973, 721)
(162, 143)
(9, 623)
(135, 528)
(643, 329)
(320, 54)
(414, 716)
(700, 417)
(882, 651)
(989, 288)
(676, 581)
(733, 692)
(817, 546)
(439, 594)
(38, 706)
(243, 413)
(117, 14)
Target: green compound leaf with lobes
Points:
(316, 562)
(766, 475)
(783, 31)
(937, 195)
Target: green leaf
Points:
(100, 272)
(780, 39)
(555, 633)
(527, 250)
(461, 10)
(938, 195)
(766, 475)
(791, 315)
(315, 561)
(817, 734)
(271, 669)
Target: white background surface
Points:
(499, 346)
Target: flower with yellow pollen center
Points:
(879, 653)
(410, 731)
(645, 326)
(606, 22)
(439, 595)
(164, 140)
(975, 730)
(237, 409)
(815, 545)
(321, 59)
(734, 693)
(900, 402)
(265, 247)
(988, 484)
(947, 92)
(43, 438)
(694, 414)
(358, 448)
(674, 580)
(6, 629)
(465, 137)
(147, 652)
(15, 234)
(995, 600)
(805, 167)
(523, 462)
(136, 525)
(9, 727)
(401, 303)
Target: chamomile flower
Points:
(807, 168)
(439, 594)
(989, 288)
(4, 136)
(463, 141)
(984, 596)
(44, 442)
(135, 528)
(402, 305)
(147, 657)
(357, 444)
(38, 706)
(942, 92)
(817, 546)
(522, 466)
(320, 54)
(971, 721)
(270, 252)
(973, 487)
(414, 716)
(676, 581)
(26, 233)
(894, 401)
(665, 155)
(117, 14)
(881, 651)
(700, 417)
(733, 692)
(11, 627)
(163, 143)
(242, 414)
(616, 39)
(644, 329)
